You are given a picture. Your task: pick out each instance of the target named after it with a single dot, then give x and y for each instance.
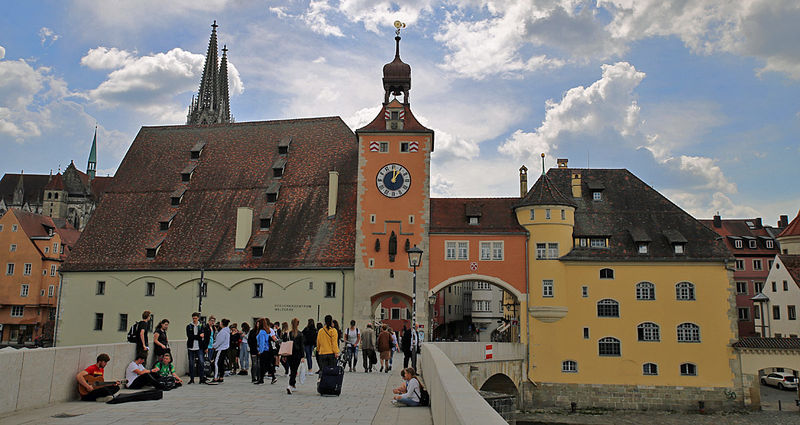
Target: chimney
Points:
(758, 223)
(244, 227)
(562, 162)
(783, 221)
(576, 185)
(523, 181)
(717, 221)
(333, 192)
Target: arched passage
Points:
(500, 383)
(393, 306)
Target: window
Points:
(403, 146)
(258, 290)
(688, 369)
(541, 251)
(552, 250)
(769, 244)
(758, 287)
(778, 335)
(482, 286)
(744, 313)
(55, 247)
(51, 291)
(738, 243)
(411, 219)
(150, 289)
(10, 269)
(47, 250)
(395, 313)
(474, 221)
(642, 248)
(547, 213)
(264, 223)
(645, 291)
(101, 288)
(1, 227)
(741, 288)
(582, 242)
(585, 333)
(383, 147)
(14, 227)
(480, 305)
(776, 312)
(648, 331)
(23, 290)
(756, 312)
(463, 250)
(202, 289)
(330, 289)
(679, 248)
(584, 291)
(547, 288)
(684, 291)
(98, 321)
(597, 195)
(272, 196)
(688, 332)
(497, 251)
(650, 369)
(791, 312)
(13, 247)
(28, 269)
(757, 264)
(739, 264)
(310, 286)
(449, 309)
(486, 251)
(752, 244)
(774, 287)
(17, 310)
(609, 346)
(123, 323)
(785, 285)
(606, 274)
(277, 172)
(53, 270)
(597, 243)
(569, 366)
(532, 214)
(563, 214)
(450, 250)
(607, 308)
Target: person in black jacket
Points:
(196, 345)
(310, 341)
(298, 343)
(252, 343)
(405, 345)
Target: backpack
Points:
(424, 397)
(133, 335)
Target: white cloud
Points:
(125, 16)
(706, 171)
(707, 204)
(677, 125)
(316, 17)
(382, 13)
(24, 96)
(48, 36)
(151, 84)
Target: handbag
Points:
(286, 348)
(373, 357)
(302, 371)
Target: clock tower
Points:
(393, 207)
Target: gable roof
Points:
(544, 192)
(233, 171)
(496, 215)
(793, 229)
(731, 229)
(631, 207)
(410, 123)
(32, 185)
(792, 264)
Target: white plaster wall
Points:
(782, 299)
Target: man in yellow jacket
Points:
(328, 344)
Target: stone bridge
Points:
(504, 372)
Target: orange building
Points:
(32, 248)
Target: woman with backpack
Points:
(414, 389)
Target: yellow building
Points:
(626, 290)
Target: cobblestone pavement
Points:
(661, 418)
(237, 401)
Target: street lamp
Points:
(431, 310)
(414, 261)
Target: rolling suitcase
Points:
(331, 377)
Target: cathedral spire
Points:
(91, 167)
(208, 84)
(224, 100)
(211, 106)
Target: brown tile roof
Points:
(449, 215)
(630, 206)
(410, 123)
(39, 226)
(792, 264)
(544, 192)
(774, 343)
(233, 171)
(99, 186)
(730, 229)
(793, 229)
(32, 186)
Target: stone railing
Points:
(453, 400)
(38, 377)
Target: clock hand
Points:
(395, 173)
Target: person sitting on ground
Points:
(167, 369)
(402, 388)
(139, 377)
(413, 390)
(103, 393)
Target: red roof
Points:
(793, 229)
(56, 183)
(746, 229)
(39, 226)
(495, 215)
(792, 264)
(410, 123)
(234, 170)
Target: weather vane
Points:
(399, 25)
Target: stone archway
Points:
(396, 298)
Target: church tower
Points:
(393, 206)
(91, 166)
(212, 105)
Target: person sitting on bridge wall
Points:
(103, 393)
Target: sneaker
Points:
(191, 381)
(381, 368)
(274, 380)
(310, 373)
(104, 399)
(289, 390)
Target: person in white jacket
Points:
(221, 344)
(411, 396)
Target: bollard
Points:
(779, 406)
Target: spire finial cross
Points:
(214, 25)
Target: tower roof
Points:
(544, 192)
(396, 76)
(93, 152)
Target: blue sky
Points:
(699, 99)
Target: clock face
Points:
(393, 180)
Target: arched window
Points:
(569, 366)
(649, 331)
(684, 291)
(607, 308)
(609, 346)
(688, 369)
(645, 291)
(606, 274)
(650, 369)
(688, 332)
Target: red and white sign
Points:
(473, 266)
(488, 351)
(413, 147)
(374, 147)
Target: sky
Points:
(697, 98)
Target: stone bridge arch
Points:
(517, 292)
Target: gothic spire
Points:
(211, 106)
(208, 84)
(91, 167)
(224, 100)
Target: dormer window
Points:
(152, 251)
(677, 240)
(752, 244)
(738, 243)
(643, 248)
(188, 172)
(597, 190)
(272, 192)
(679, 248)
(272, 196)
(278, 166)
(769, 244)
(597, 195)
(394, 115)
(598, 243)
(197, 150)
(265, 223)
(177, 197)
(473, 221)
(283, 146)
(259, 244)
(166, 222)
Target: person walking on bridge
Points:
(328, 344)
(368, 347)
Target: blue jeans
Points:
(408, 402)
(244, 356)
(196, 356)
(309, 354)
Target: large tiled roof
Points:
(495, 215)
(767, 343)
(631, 207)
(733, 229)
(792, 264)
(234, 170)
(544, 192)
(32, 186)
(793, 229)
